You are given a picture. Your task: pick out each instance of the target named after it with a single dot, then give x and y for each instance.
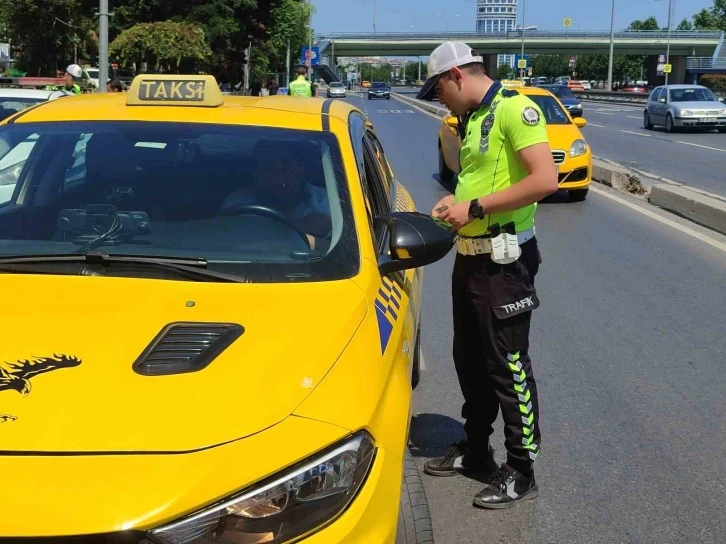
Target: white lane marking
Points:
(423, 362)
(634, 117)
(690, 232)
(438, 118)
(602, 113)
(637, 133)
(703, 146)
(594, 125)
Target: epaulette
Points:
(507, 93)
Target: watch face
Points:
(476, 210)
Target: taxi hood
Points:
(68, 382)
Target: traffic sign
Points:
(518, 60)
(567, 22)
(667, 68)
(522, 64)
(308, 57)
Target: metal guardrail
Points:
(699, 63)
(706, 35)
(612, 96)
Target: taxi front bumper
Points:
(574, 172)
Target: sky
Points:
(434, 15)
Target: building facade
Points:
(495, 16)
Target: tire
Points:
(445, 173)
(646, 121)
(414, 517)
(669, 123)
(388, 98)
(722, 130)
(578, 195)
(416, 371)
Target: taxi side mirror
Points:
(453, 122)
(579, 122)
(414, 239)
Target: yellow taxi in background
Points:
(571, 152)
(366, 84)
(211, 321)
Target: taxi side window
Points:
(12, 164)
(376, 188)
(385, 168)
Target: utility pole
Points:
(668, 49)
(310, 39)
(524, 7)
(612, 38)
(103, 46)
(374, 17)
(247, 67)
(287, 66)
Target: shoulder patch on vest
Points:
(509, 92)
(530, 116)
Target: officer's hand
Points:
(457, 215)
(446, 201)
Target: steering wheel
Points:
(264, 211)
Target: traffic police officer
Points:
(506, 168)
(72, 76)
(301, 86)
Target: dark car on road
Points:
(568, 99)
(379, 89)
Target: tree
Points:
(685, 24)
(504, 71)
(165, 45)
(651, 23)
(713, 18)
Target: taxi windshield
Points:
(269, 204)
(553, 113)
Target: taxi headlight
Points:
(722, 112)
(283, 507)
(686, 113)
(579, 147)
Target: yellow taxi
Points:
(211, 321)
(366, 84)
(571, 152)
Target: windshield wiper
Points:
(192, 267)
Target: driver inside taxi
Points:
(282, 183)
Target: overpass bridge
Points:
(696, 43)
(704, 48)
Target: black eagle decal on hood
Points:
(16, 376)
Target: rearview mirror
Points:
(579, 122)
(416, 239)
(453, 122)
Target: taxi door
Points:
(398, 296)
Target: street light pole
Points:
(521, 70)
(668, 48)
(310, 40)
(374, 16)
(103, 46)
(612, 38)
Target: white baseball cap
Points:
(75, 70)
(445, 57)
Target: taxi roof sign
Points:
(174, 90)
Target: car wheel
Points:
(722, 130)
(669, 123)
(646, 121)
(414, 517)
(388, 98)
(578, 195)
(416, 370)
(445, 173)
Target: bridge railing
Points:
(699, 63)
(705, 35)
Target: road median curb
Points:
(441, 112)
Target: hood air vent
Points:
(186, 347)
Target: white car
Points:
(11, 164)
(586, 85)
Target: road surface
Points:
(628, 348)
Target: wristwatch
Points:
(476, 210)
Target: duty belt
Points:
(481, 246)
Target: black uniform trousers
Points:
(493, 305)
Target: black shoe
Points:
(505, 489)
(457, 460)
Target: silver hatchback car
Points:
(692, 106)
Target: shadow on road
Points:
(432, 434)
(560, 197)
